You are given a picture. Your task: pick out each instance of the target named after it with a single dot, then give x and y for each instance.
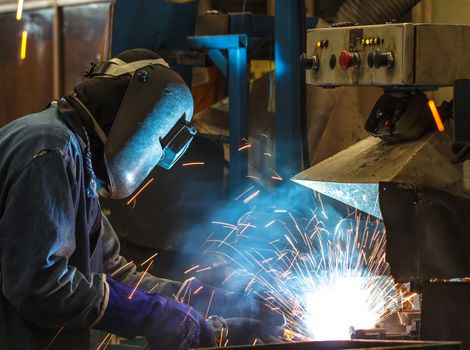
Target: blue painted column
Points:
(287, 53)
(238, 110)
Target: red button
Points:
(346, 59)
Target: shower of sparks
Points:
(326, 282)
(193, 163)
(19, 10)
(140, 280)
(24, 40)
(140, 191)
(54, 338)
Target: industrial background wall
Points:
(58, 45)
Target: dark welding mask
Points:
(152, 126)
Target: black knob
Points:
(310, 62)
(142, 75)
(379, 59)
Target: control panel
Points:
(403, 54)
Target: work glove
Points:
(165, 323)
(215, 301)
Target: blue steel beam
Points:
(287, 51)
(236, 70)
(219, 59)
(220, 42)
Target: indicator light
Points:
(318, 43)
(376, 41)
(367, 41)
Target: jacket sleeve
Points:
(39, 222)
(125, 272)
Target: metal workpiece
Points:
(353, 175)
(356, 344)
(402, 54)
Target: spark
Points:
(198, 290)
(153, 288)
(251, 196)
(276, 174)
(122, 268)
(267, 154)
(193, 163)
(191, 269)
(140, 280)
(221, 336)
(245, 147)
(278, 178)
(204, 269)
(24, 39)
(244, 192)
(19, 10)
(437, 117)
(140, 191)
(107, 339)
(256, 340)
(253, 177)
(264, 135)
(209, 305)
(269, 223)
(54, 338)
(151, 258)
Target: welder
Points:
(63, 281)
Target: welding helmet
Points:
(152, 125)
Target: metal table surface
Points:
(356, 344)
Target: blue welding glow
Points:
(318, 262)
(280, 65)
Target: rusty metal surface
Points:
(26, 84)
(356, 344)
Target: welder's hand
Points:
(244, 331)
(216, 301)
(166, 323)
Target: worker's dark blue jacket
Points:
(55, 246)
